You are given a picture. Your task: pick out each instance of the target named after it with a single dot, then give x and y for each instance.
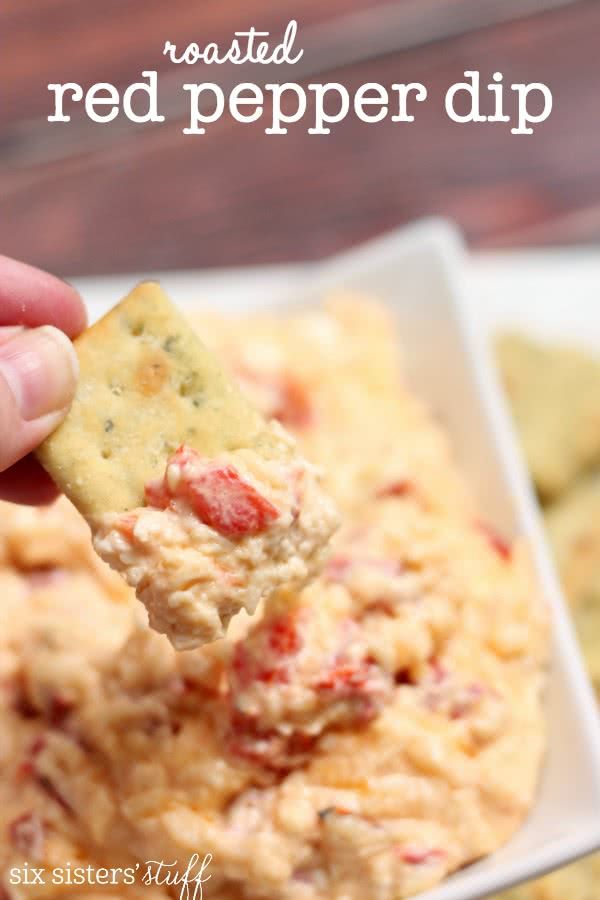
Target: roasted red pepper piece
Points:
(217, 493)
(417, 856)
(497, 543)
(27, 835)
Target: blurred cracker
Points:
(573, 525)
(554, 393)
(579, 881)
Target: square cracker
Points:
(573, 525)
(147, 384)
(554, 392)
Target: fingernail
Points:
(40, 367)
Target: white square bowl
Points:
(418, 273)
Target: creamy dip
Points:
(217, 536)
(359, 738)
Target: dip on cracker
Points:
(201, 504)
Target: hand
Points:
(38, 373)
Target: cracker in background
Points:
(579, 881)
(566, 383)
(147, 384)
(573, 526)
(555, 397)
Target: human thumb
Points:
(38, 374)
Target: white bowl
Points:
(418, 272)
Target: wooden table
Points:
(85, 198)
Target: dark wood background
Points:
(85, 198)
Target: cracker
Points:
(554, 392)
(573, 526)
(147, 384)
(578, 881)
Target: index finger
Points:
(31, 297)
